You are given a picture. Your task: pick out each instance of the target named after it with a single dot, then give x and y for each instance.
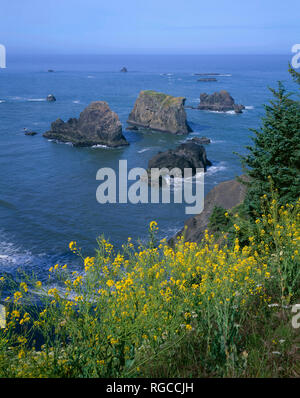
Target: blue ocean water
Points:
(48, 190)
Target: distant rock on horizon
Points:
(159, 111)
(51, 98)
(219, 102)
(208, 79)
(124, 70)
(97, 125)
(207, 74)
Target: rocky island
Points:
(219, 102)
(187, 155)
(97, 125)
(161, 112)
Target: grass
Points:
(165, 99)
(198, 310)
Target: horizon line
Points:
(149, 54)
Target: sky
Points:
(149, 26)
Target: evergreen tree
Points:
(275, 154)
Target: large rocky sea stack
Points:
(161, 112)
(97, 125)
(219, 102)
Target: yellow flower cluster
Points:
(132, 303)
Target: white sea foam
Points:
(231, 112)
(76, 102)
(171, 231)
(100, 146)
(60, 142)
(10, 254)
(249, 107)
(1, 101)
(176, 183)
(221, 112)
(17, 98)
(216, 169)
(36, 99)
(145, 150)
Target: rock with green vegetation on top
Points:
(157, 111)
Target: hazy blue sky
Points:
(149, 26)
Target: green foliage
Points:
(218, 220)
(295, 75)
(275, 153)
(195, 310)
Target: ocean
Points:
(48, 190)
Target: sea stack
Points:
(97, 125)
(219, 102)
(161, 112)
(187, 155)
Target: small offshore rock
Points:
(50, 98)
(219, 102)
(30, 133)
(200, 140)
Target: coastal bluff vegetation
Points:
(218, 304)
